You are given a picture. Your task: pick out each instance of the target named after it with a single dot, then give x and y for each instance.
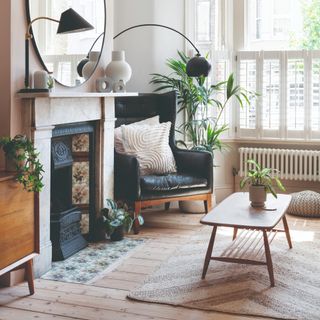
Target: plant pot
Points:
(117, 234)
(192, 206)
(257, 196)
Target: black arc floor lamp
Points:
(196, 66)
(70, 22)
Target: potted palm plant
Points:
(203, 104)
(117, 220)
(260, 181)
(22, 158)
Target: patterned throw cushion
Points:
(118, 144)
(150, 145)
(305, 204)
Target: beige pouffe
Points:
(305, 204)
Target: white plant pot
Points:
(118, 69)
(257, 196)
(90, 66)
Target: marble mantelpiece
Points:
(41, 113)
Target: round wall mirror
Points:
(60, 54)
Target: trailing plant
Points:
(21, 152)
(258, 176)
(117, 215)
(200, 101)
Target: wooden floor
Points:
(106, 298)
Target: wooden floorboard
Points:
(106, 298)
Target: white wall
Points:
(148, 48)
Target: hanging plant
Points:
(23, 157)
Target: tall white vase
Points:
(90, 66)
(118, 69)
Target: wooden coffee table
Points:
(252, 244)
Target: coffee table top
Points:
(236, 211)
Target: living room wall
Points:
(148, 48)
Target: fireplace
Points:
(43, 115)
(73, 211)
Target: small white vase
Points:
(40, 79)
(118, 69)
(90, 66)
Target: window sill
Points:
(272, 141)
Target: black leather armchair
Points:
(194, 177)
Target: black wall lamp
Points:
(70, 22)
(196, 66)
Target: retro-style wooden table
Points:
(258, 230)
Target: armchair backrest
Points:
(133, 109)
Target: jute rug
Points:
(241, 289)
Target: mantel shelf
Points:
(56, 95)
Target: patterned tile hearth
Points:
(92, 262)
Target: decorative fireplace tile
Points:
(92, 261)
(80, 143)
(80, 183)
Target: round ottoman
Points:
(305, 204)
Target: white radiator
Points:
(292, 164)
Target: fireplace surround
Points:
(42, 113)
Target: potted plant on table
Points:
(22, 157)
(260, 181)
(204, 105)
(117, 220)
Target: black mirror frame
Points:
(35, 47)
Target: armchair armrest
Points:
(196, 163)
(126, 177)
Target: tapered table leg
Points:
(235, 232)
(286, 229)
(209, 252)
(268, 257)
(29, 276)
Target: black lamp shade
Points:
(71, 21)
(198, 66)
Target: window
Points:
(284, 109)
(273, 64)
(273, 24)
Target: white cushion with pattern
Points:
(118, 132)
(150, 145)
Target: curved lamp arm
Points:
(196, 66)
(157, 25)
(29, 34)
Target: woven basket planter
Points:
(305, 204)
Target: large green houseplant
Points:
(200, 101)
(22, 157)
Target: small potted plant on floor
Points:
(260, 181)
(117, 220)
(22, 157)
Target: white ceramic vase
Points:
(118, 69)
(40, 79)
(90, 66)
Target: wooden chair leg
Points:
(268, 257)
(208, 203)
(167, 206)
(29, 276)
(137, 211)
(209, 252)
